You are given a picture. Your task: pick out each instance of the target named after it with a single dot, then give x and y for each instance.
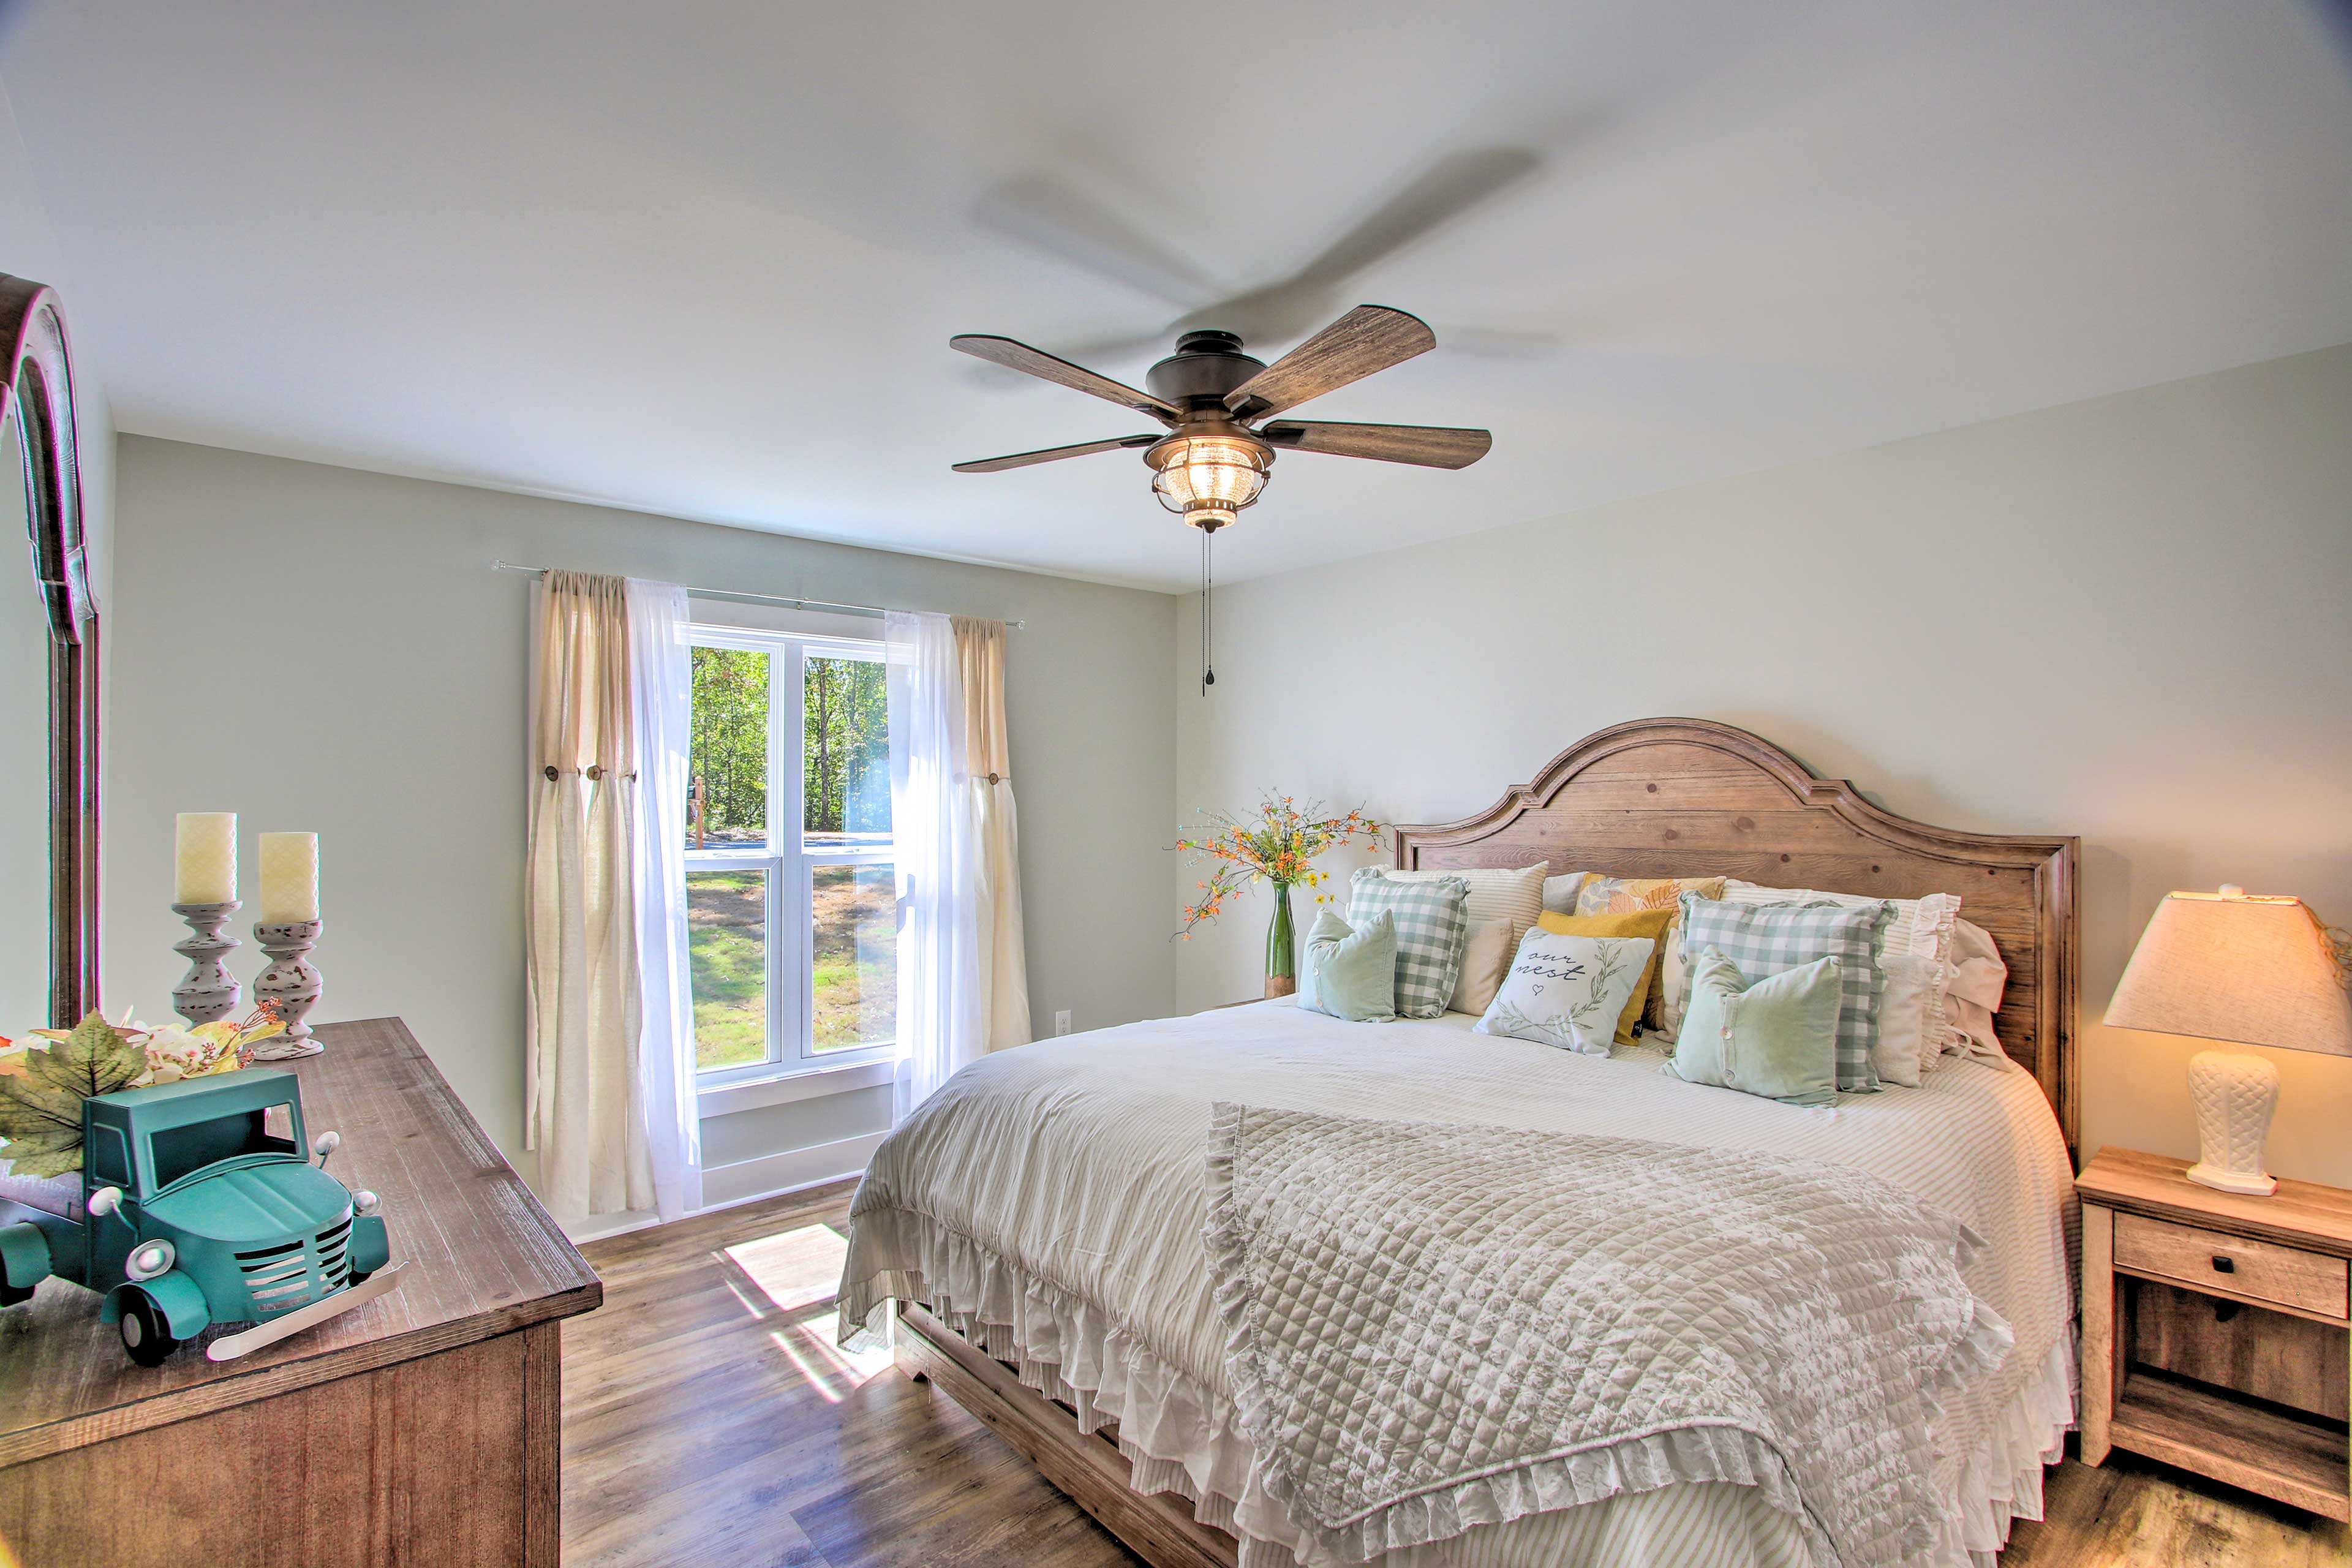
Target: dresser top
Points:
(2300, 1214)
(483, 1256)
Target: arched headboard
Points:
(1685, 797)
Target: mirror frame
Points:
(40, 393)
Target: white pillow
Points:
(1912, 952)
(1485, 954)
(1559, 892)
(1515, 896)
(1974, 980)
(1568, 991)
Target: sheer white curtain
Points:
(940, 1023)
(662, 703)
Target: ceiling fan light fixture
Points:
(1207, 480)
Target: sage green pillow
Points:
(1349, 971)
(1777, 1038)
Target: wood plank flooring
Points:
(709, 1423)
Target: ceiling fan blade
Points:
(1431, 446)
(1062, 222)
(1443, 195)
(1367, 339)
(1054, 454)
(1038, 362)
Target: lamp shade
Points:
(2224, 966)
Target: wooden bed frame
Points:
(1657, 797)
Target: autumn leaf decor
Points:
(44, 1076)
(40, 1101)
(1279, 846)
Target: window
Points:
(109, 1157)
(791, 897)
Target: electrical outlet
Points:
(1062, 1022)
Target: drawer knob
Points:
(2224, 1265)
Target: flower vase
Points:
(1281, 964)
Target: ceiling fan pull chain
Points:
(1208, 582)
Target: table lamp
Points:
(2225, 967)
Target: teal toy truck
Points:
(190, 1211)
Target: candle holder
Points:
(209, 992)
(292, 984)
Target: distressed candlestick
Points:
(292, 984)
(209, 992)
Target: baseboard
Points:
(724, 1186)
(748, 1181)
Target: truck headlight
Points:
(150, 1258)
(364, 1201)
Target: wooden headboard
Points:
(1685, 797)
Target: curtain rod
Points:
(747, 598)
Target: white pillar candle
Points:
(290, 878)
(203, 866)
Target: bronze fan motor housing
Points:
(1217, 405)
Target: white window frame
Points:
(787, 860)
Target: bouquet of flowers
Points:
(1278, 846)
(46, 1075)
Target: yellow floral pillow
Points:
(1650, 923)
(1669, 982)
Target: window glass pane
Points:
(727, 943)
(727, 806)
(846, 758)
(854, 912)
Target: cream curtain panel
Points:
(584, 1020)
(1004, 963)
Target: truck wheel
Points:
(358, 1275)
(146, 1338)
(12, 1294)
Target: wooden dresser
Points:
(419, 1428)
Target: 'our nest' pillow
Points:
(1649, 923)
(1568, 991)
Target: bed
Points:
(1037, 1224)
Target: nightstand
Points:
(2217, 1334)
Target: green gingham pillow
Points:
(1764, 940)
(1432, 923)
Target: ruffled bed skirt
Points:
(1180, 1436)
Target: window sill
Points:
(796, 1083)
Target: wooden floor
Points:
(708, 1423)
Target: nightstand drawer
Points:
(2310, 1281)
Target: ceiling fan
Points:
(1218, 405)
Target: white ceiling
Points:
(703, 257)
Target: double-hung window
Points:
(790, 891)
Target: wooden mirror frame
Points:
(40, 393)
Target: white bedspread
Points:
(1049, 1201)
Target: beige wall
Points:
(28, 248)
(2129, 619)
(320, 648)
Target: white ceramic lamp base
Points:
(2234, 1094)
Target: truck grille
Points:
(294, 1274)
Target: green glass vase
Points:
(1281, 966)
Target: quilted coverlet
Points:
(1430, 1327)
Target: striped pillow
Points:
(1433, 922)
(1515, 896)
(1765, 939)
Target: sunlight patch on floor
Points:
(793, 1268)
(824, 1366)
